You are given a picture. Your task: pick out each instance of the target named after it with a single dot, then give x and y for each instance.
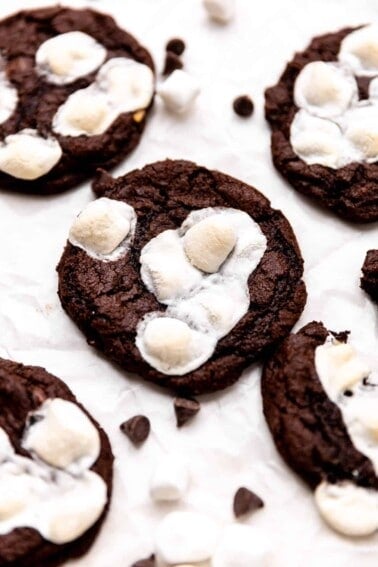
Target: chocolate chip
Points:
(172, 62)
(348, 393)
(185, 409)
(342, 337)
(246, 501)
(243, 106)
(176, 46)
(149, 562)
(136, 428)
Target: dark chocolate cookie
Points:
(349, 187)
(369, 280)
(24, 392)
(77, 101)
(108, 300)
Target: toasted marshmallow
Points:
(324, 89)
(349, 509)
(185, 537)
(179, 92)
(220, 10)
(27, 155)
(208, 243)
(80, 507)
(102, 227)
(170, 480)
(83, 113)
(362, 131)
(359, 51)
(8, 97)
(240, 546)
(318, 141)
(68, 56)
(62, 436)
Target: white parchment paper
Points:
(228, 444)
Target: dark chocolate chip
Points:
(246, 501)
(176, 46)
(185, 409)
(172, 62)
(342, 336)
(136, 428)
(149, 562)
(243, 106)
(348, 393)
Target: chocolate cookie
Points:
(75, 93)
(323, 113)
(320, 403)
(369, 280)
(55, 470)
(182, 275)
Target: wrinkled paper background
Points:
(228, 444)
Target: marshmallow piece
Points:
(83, 113)
(318, 141)
(170, 480)
(359, 51)
(373, 90)
(129, 85)
(102, 226)
(240, 546)
(68, 56)
(208, 243)
(367, 416)
(185, 537)
(324, 89)
(80, 507)
(220, 10)
(62, 436)
(169, 340)
(8, 97)
(6, 448)
(347, 508)
(27, 155)
(362, 131)
(179, 92)
(15, 495)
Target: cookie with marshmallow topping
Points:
(55, 470)
(322, 113)
(320, 402)
(75, 94)
(190, 289)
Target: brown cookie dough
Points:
(369, 280)
(107, 300)
(22, 390)
(20, 37)
(350, 191)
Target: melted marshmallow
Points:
(68, 56)
(340, 369)
(27, 155)
(121, 85)
(361, 130)
(203, 304)
(359, 51)
(60, 505)
(104, 229)
(8, 96)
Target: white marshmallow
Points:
(6, 448)
(359, 51)
(179, 92)
(83, 113)
(185, 537)
(129, 85)
(373, 90)
(361, 129)
(170, 480)
(325, 89)
(80, 507)
(318, 141)
(208, 243)
(68, 56)
(63, 436)
(8, 97)
(15, 494)
(220, 10)
(241, 546)
(27, 155)
(102, 227)
(349, 509)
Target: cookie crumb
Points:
(176, 46)
(185, 409)
(246, 501)
(149, 562)
(136, 428)
(172, 63)
(243, 106)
